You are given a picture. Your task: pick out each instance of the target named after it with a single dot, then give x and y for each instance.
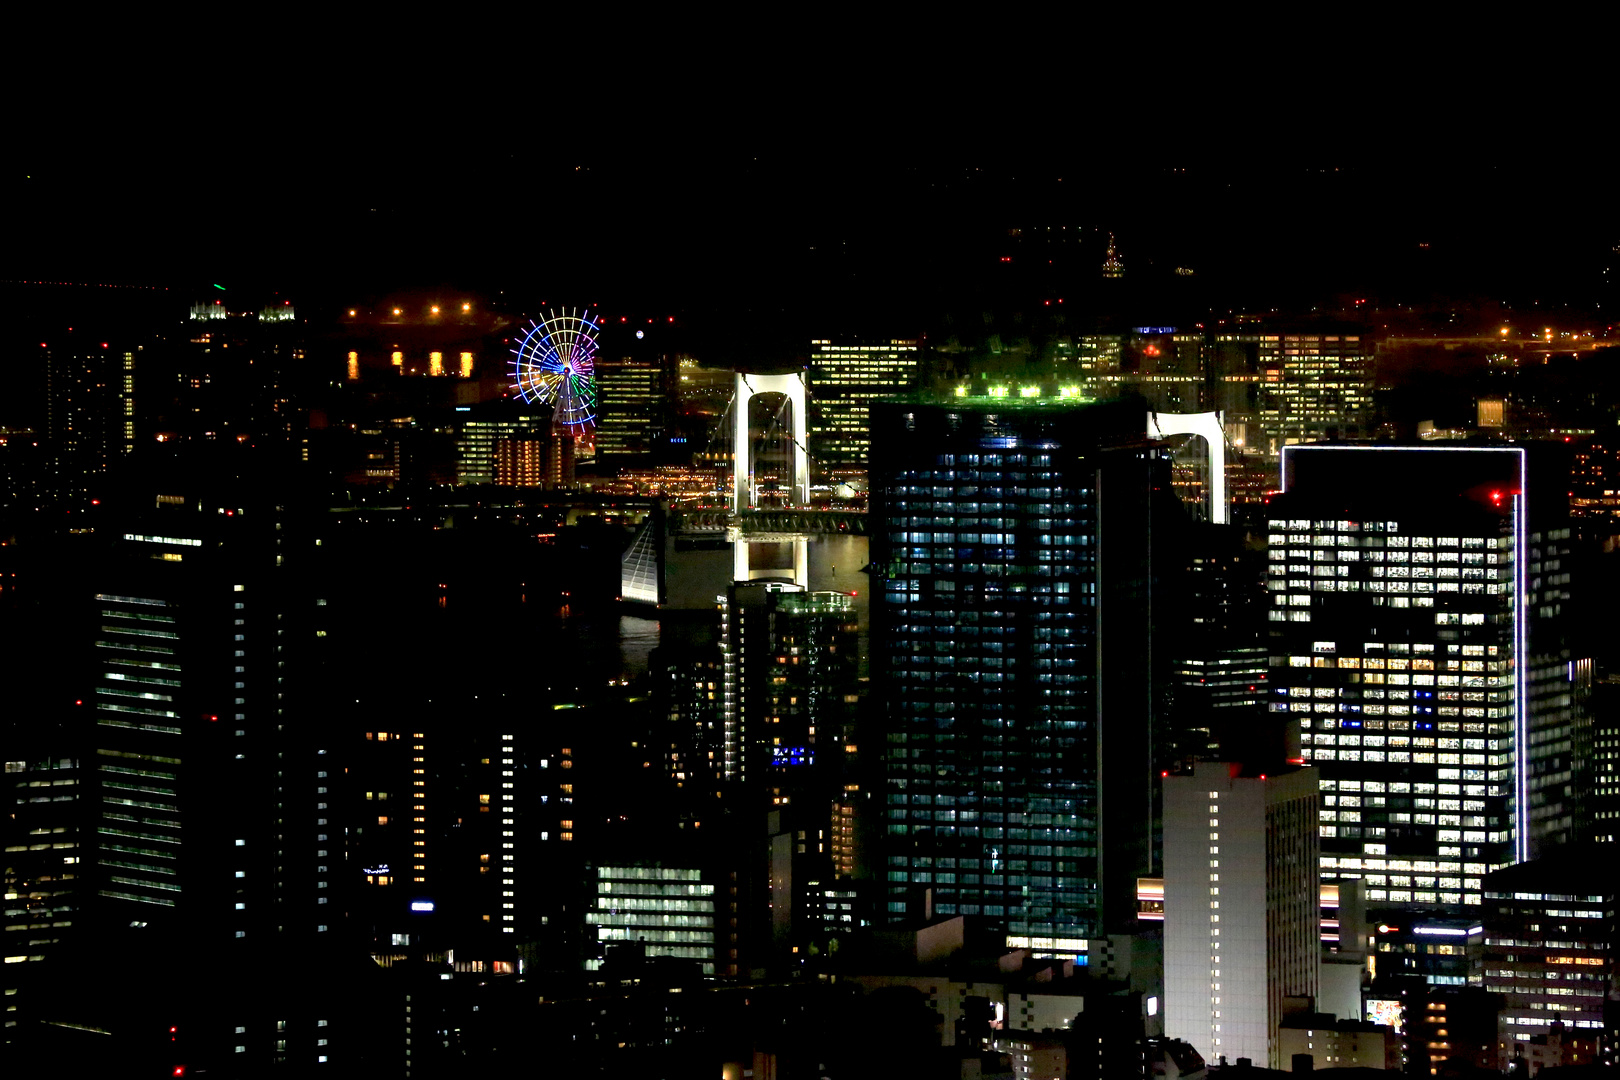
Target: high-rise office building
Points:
(90, 409)
(484, 429)
(1015, 660)
(1603, 811)
(689, 692)
(208, 785)
(1220, 658)
(630, 407)
(1549, 949)
(1163, 365)
(789, 660)
(665, 910)
(1280, 388)
(845, 378)
(41, 886)
(1090, 362)
(226, 373)
(1240, 906)
(1422, 654)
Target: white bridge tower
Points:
(1207, 424)
(743, 489)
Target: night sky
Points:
(665, 183)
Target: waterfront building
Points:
(845, 378)
(630, 406)
(502, 443)
(1280, 388)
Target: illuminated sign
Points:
(1439, 931)
(421, 905)
(1153, 329)
(1384, 1011)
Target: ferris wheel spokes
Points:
(555, 362)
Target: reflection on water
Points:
(637, 639)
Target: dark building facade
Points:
(1549, 952)
(1014, 659)
(210, 842)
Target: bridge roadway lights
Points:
(753, 523)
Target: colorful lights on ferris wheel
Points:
(555, 363)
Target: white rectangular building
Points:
(1240, 906)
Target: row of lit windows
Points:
(1374, 551)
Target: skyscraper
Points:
(41, 888)
(1015, 661)
(1240, 906)
(1280, 387)
(630, 400)
(790, 660)
(208, 784)
(90, 409)
(845, 378)
(1422, 653)
(1220, 658)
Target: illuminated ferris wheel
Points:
(555, 361)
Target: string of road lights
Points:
(84, 284)
(401, 312)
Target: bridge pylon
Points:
(742, 447)
(1208, 425)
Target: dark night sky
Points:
(663, 182)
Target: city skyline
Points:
(636, 602)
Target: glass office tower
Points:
(1422, 653)
(1013, 653)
